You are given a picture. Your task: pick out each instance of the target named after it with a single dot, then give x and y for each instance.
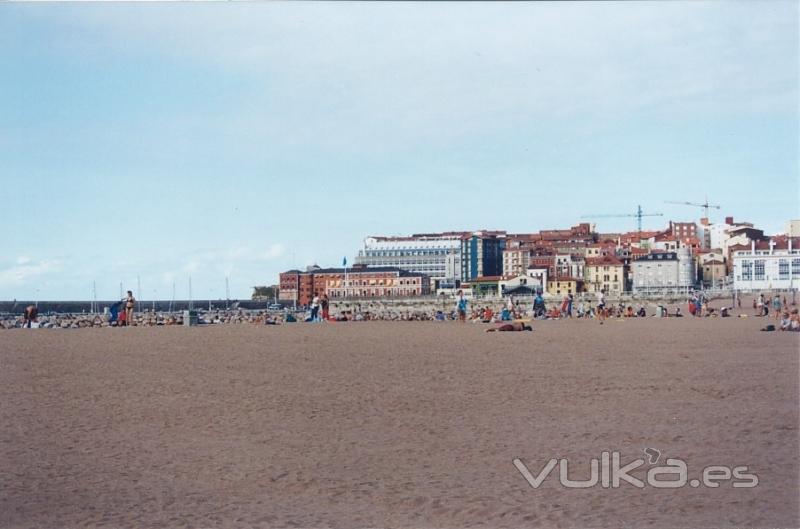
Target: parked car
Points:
(275, 306)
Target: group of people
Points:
(320, 308)
(790, 321)
(122, 313)
(762, 305)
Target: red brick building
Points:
(361, 282)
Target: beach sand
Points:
(393, 424)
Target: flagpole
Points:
(344, 262)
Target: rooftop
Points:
(605, 260)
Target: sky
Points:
(142, 144)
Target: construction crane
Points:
(639, 214)
(705, 205)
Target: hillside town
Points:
(684, 256)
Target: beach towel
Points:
(114, 310)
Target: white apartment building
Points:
(664, 271)
(569, 265)
(767, 265)
(435, 255)
(717, 235)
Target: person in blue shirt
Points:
(462, 307)
(538, 305)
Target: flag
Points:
(344, 261)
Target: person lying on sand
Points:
(515, 326)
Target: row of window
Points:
(403, 253)
(372, 282)
(756, 269)
(406, 265)
(374, 292)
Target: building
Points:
(683, 230)
(521, 248)
(793, 228)
(540, 275)
(663, 272)
(712, 272)
(562, 286)
(484, 285)
(482, 254)
(289, 285)
(600, 249)
(717, 235)
(767, 265)
(569, 265)
(604, 274)
(357, 282)
(521, 285)
(516, 261)
(437, 255)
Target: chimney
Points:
(728, 220)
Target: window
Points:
(759, 265)
(796, 267)
(783, 269)
(747, 270)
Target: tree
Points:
(263, 292)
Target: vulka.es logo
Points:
(609, 472)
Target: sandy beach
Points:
(393, 424)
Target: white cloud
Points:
(437, 62)
(227, 261)
(273, 252)
(26, 271)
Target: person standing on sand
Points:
(564, 306)
(601, 306)
(325, 303)
(315, 307)
(539, 308)
(776, 306)
(461, 307)
(130, 303)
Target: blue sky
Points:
(163, 140)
